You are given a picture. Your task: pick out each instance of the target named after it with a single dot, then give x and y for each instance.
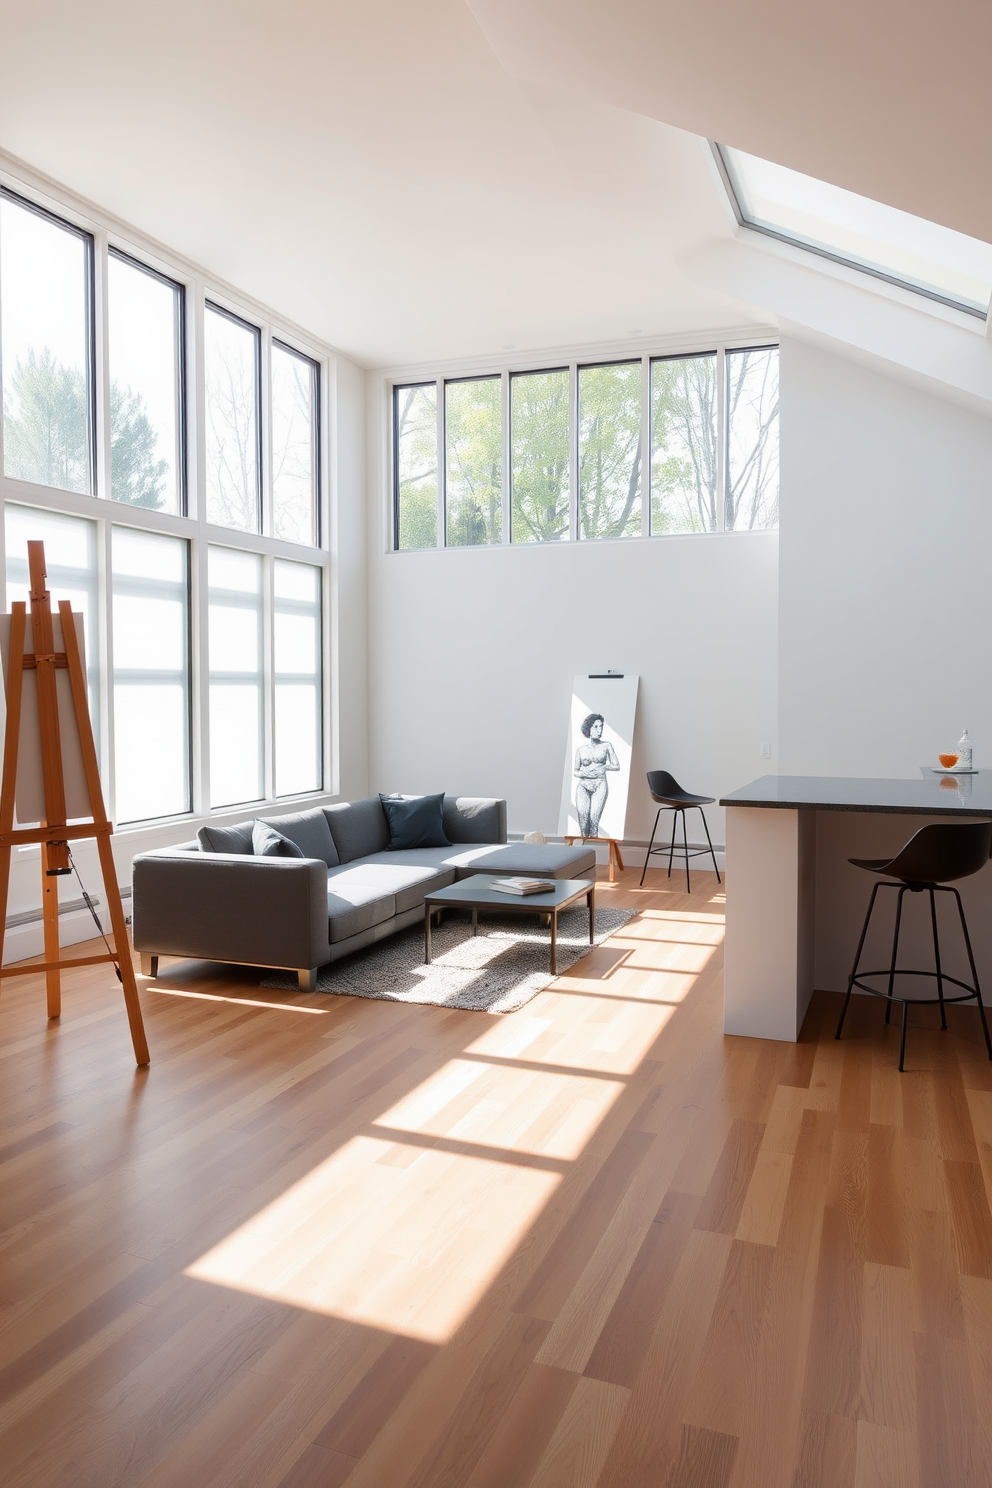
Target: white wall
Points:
(347, 633)
(885, 595)
(472, 654)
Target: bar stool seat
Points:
(934, 857)
(670, 796)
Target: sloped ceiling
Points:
(890, 98)
(429, 179)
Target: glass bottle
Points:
(964, 751)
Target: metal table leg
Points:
(427, 934)
(554, 941)
(591, 901)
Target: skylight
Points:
(909, 251)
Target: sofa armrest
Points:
(474, 819)
(230, 907)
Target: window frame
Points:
(182, 417)
(443, 386)
(285, 606)
(188, 687)
(908, 286)
(211, 306)
(89, 315)
(394, 389)
(105, 235)
(315, 438)
(757, 339)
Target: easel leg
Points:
(4, 887)
(122, 946)
(50, 916)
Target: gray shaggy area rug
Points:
(496, 971)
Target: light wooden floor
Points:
(327, 1241)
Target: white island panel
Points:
(771, 887)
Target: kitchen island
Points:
(795, 905)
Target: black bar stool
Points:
(670, 796)
(930, 859)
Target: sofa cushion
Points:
(310, 832)
(358, 828)
(235, 839)
(355, 903)
(266, 842)
(408, 874)
(474, 819)
(414, 821)
(547, 860)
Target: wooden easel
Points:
(616, 861)
(54, 835)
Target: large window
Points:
(146, 386)
(295, 451)
(46, 348)
(473, 423)
(231, 385)
(648, 447)
(685, 495)
(236, 677)
(539, 477)
(70, 557)
(610, 450)
(752, 439)
(415, 465)
(139, 408)
(297, 672)
(151, 675)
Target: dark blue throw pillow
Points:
(415, 822)
(266, 842)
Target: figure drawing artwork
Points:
(597, 761)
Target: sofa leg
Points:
(307, 977)
(149, 964)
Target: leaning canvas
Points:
(597, 756)
(30, 792)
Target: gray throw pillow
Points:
(310, 832)
(266, 842)
(416, 821)
(226, 839)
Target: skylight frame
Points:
(965, 307)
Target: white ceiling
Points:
(418, 181)
(890, 98)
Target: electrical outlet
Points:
(766, 751)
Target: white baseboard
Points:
(22, 941)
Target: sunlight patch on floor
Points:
(408, 1225)
(275, 1007)
(411, 1250)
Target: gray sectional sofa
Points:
(214, 900)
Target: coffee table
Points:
(477, 893)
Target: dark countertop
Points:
(931, 795)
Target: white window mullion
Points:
(105, 641)
(573, 448)
(722, 438)
(645, 446)
(195, 406)
(101, 367)
(442, 532)
(506, 456)
(268, 680)
(200, 680)
(265, 512)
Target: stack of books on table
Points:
(522, 885)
